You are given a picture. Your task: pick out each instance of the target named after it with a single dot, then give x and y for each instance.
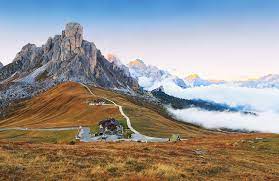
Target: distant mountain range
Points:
(194, 80)
(150, 77)
(268, 81)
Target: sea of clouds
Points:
(264, 102)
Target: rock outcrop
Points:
(1, 65)
(74, 33)
(65, 57)
(68, 57)
(117, 64)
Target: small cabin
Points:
(110, 127)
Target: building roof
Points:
(109, 122)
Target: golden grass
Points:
(147, 120)
(31, 155)
(62, 106)
(220, 157)
(66, 105)
(67, 136)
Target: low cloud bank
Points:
(261, 100)
(264, 102)
(267, 122)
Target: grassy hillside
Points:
(54, 155)
(38, 136)
(67, 105)
(150, 120)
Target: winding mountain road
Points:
(137, 136)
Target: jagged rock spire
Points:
(68, 57)
(74, 34)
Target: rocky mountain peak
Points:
(1, 65)
(65, 57)
(112, 58)
(73, 37)
(194, 80)
(137, 63)
(192, 77)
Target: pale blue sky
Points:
(218, 39)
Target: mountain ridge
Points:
(67, 57)
(267, 81)
(64, 57)
(151, 77)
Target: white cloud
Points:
(260, 100)
(145, 81)
(264, 122)
(265, 102)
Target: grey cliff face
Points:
(70, 57)
(74, 34)
(65, 57)
(1, 65)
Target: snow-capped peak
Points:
(137, 63)
(192, 77)
(150, 77)
(268, 81)
(270, 77)
(194, 80)
(113, 59)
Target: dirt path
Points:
(137, 136)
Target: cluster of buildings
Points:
(97, 102)
(111, 130)
(110, 127)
